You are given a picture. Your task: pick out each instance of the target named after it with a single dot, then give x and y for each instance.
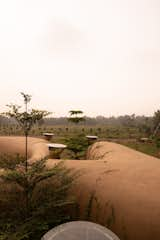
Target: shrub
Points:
(8, 161)
(78, 144)
(34, 201)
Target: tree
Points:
(26, 119)
(156, 122)
(75, 116)
(78, 144)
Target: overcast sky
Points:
(100, 56)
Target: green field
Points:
(61, 130)
(128, 136)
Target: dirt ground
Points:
(118, 187)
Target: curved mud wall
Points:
(118, 187)
(37, 147)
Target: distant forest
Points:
(126, 121)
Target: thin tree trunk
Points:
(26, 135)
(156, 130)
(26, 150)
(26, 170)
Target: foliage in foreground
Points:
(33, 202)
(9, 162)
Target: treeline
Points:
(126, 120)
(6, 121)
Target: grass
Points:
(61, 131)
(147, 148)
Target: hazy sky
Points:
(100, 56)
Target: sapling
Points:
(26, 119)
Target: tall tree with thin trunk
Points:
(26, 119)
